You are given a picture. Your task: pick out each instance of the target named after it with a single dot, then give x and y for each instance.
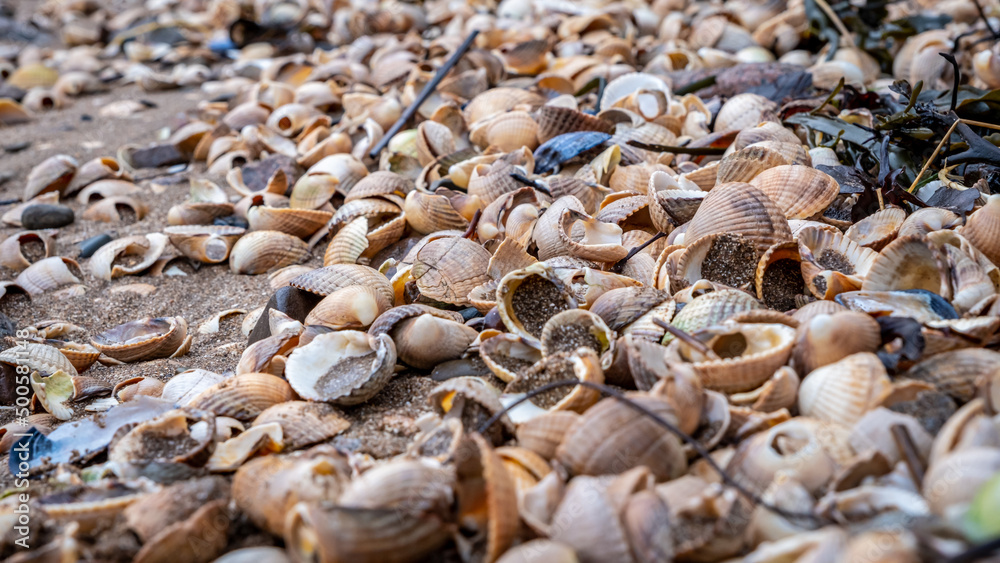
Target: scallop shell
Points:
(740, 209)
(144, 339)
(313, 190)
(210, 244)
(40, 358)
(844, 391)
(498, 100)
(82, 356)
(344, 368)
(189, 384)
(759, 459)
(260, 251)
(910, 262)
(512, 131)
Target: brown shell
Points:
(957, 371)
(745, 164)
(354, 306)
(296, 222)
(878, 229)
(326, 280)
(910, 262)
(258, 252)
(581, 364)
(799, 191)
(746, 355)
(554, 121)
(12, 249)
(825, 339)
(778, 278)
(982, 229)
(740, 209)
(144, 339)
(344, 367)
(210, 244)
(304, 423)
(244, 396)
(447, 269)
(529, 297)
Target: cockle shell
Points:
(910, 262)
(529, 297)
(845, 390)
(825, 339)
(581, 364)
(145, 339)
(260, 251)
(243, 396)
(878, 229)
(982, 229)
(104, 264)
(210, 244)
(447, 269)
(799, 191)
(12, 249)
(52, 174)
(738, 208)
(345, 367)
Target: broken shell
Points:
(243, 396)
(52, 174)
(845, 390)
(910, 262)
(40, 245)
(726, 258)
(569, 330)
(529, 297)
(778, 277)
(188, 384)
(956, 372)
(746, 355)
(793, 447)
(260, 251)
(927, 220)
(832, 263)
(878, 229)
(116, 209)
(144, 339)
(344, 368)
(94, 170)
(205, 243)
(82, 356)
(581, 364)
(117, 258)
(169, 446)
(447, 269)
(507, 354)
(198, 213)
(136, 387)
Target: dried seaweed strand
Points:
(700, 449)
(687, 339)
(619, 265)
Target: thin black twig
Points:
(619, 265)
(424, 94)
(957, 79)
(976, 552)
(690, 440)
(529, 182)
(694, 151)
(986, 20)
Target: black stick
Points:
(425, 93)
(619, 265)
(700, 449)
(986, 20)
(529, 182)
(694, 151)
(977, 552)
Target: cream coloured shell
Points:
(845, 390)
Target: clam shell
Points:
(343, 368)
(313, 190)
(328, 279)
(38, 358)
(799, 191)
(297, 222)
(104, 264)
(554, 121)
(512, 131)
(507, 354)
(82, 356)
(740, 209)
(711, 309)
(244, 396)
(845, 390)
(110, 209)
(136, 387)
(982, 229)
(778, 278)
(743, 111)
(827, 338)
(198, 213)
(746, 163)
(189, 384)
(144, 339)
(928, 220)
(832, 263)
(569, 330)
(447, 269)
(878, 229)
(94, 170)
(12, 249)
(210, 244)
(260, 251)
(427, 213)
(492, 181)
(910, 262)
(304, 423)
(726, 258)
(170, 445)
(610, 438)
(427, 340)
(529, 297)
(498, 100)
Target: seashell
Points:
(116, 209)
(575, 328)
(427, 213)
(82, 356)
(13, 113)
(154, 512)
(189, 384)
(232, 453)
(956, 372)
(529, 297)
(554, 121)
(779, 392)
(611, 437)
(447, 269)
(746, 355)
(923, 306)
(498, 100)
(711, 309)
(981, 229)
(621, 307)
(304, 423)
(832, 263)
(47, 274)
(55, 390)
(343, 368)
(844, 390)
(209, 523)
(795, 448)
(204, 243)
(136, 387)
(778, 277)
(746, 163)
(169, 446)
(492, 181)
(355, 306)
(507, 354)
(764, 131)
(581, 364)
(313, 190)
(828, 338)
(910, 262)
(878, 229)
(267, 355)
(43, 99)
(434, 140)
(260, 251)
(145, 339)
(380, 183)
(198, 213)
(39, 244)
(243, 396)
(539, 551)
(743, 111)
(725, 258)
(739, 209)
(118, 257)
(101, 168)
(296, 222)
(427, 340)
(873, 432)
(348, 244)
(799, 191)
(483, 479)
(267, 488)
(970, 284)
(52, 174)
(328, 279)
(951, 482)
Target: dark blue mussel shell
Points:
(565, 147)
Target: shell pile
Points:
(676, 202)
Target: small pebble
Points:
(46, 216)
(17, 147)
(289, 300)
(90, 246)
(156, 156)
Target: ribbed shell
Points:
(245, 396)
(326, 280)
(491, 181)
(296, 222)
(143, 339)
(983, 229)
(428, 213)
(344, 368)
(205, 243)
(844, 391)
(745, 164)
(554, 121)
(956, 372)
(260, 251)
(498, 100)
(799, 191)
(348, 244)
(910, 262)
(38, 357)
(878, 229)
(711, 309)
(448, 269)
(768, 348)
(742, 209)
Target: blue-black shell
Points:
(567, 146)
